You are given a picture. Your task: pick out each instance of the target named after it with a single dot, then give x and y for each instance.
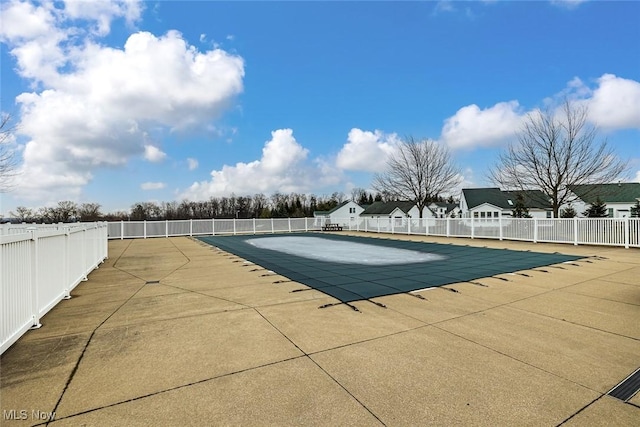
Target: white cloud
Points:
(443, 6)
(472, 127)
(102, 12)
(97, 110)
(153, 185)
(637, 178)
(192, 163)
(283, 167)
(568, 4)
(366, 151)
(154, 154)
(25, 21)
(615, 103)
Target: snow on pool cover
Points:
(341, 252)
(352, 268)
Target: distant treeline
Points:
(278, 205)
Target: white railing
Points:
(39, 266)
(591, 231)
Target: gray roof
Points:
(533, 199)
(385, 208)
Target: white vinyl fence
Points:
(39, 266)
(577, 231)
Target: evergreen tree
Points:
(635, 210)
(520, 210)
(569, 212)
(598, 209)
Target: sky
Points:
(118, 102)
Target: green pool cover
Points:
(372, 268)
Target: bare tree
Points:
(89, 212)
(418, 171)
(554, 152)
(8, 162)
(23, 214)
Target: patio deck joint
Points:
(627, 388)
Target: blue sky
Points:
(122, 102)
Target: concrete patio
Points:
(174, 332)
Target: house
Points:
(399, 210)
(619, 197)
(493, 203)
(341, 214)
(396, 209)
(444, 210)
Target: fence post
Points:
(213, 226)
(191, 228)
(473, 228)
(500, 224)
(575, 231)
(289, 221)
(408, 226)
(35, 309)
(272, 229)
(306, 225)
(121, 229)
(626, 232)
(166, 228)
(144, 226)
(535, 230)
(234, 226)
(448, 231)
(66, 263)
(84, 254)
(254, 226)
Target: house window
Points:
(610, 212)
(475, 214)
(352, 210)
(548, 214)
(483, 214)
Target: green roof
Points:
(385, 208)
(533, 199)
(624, 192)
(477, 196)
